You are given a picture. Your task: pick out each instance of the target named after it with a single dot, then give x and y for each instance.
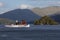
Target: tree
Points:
(36, 22)
(45, 21)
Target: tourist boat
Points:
(17, 24)
(12, 25)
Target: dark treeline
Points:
(45, 21)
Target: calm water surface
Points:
(32, 33)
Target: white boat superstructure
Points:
(17, 25)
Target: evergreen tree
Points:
(46, 21)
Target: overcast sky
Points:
(7, 5)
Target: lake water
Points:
(33, 33)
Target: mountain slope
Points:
(53, 12)
(20, 14)
(46, 11)
(56, 17)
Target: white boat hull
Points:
(17, 25)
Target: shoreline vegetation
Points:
(4, 21)
(45, 20)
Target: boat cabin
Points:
(23, 22)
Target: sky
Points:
(7, 5)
